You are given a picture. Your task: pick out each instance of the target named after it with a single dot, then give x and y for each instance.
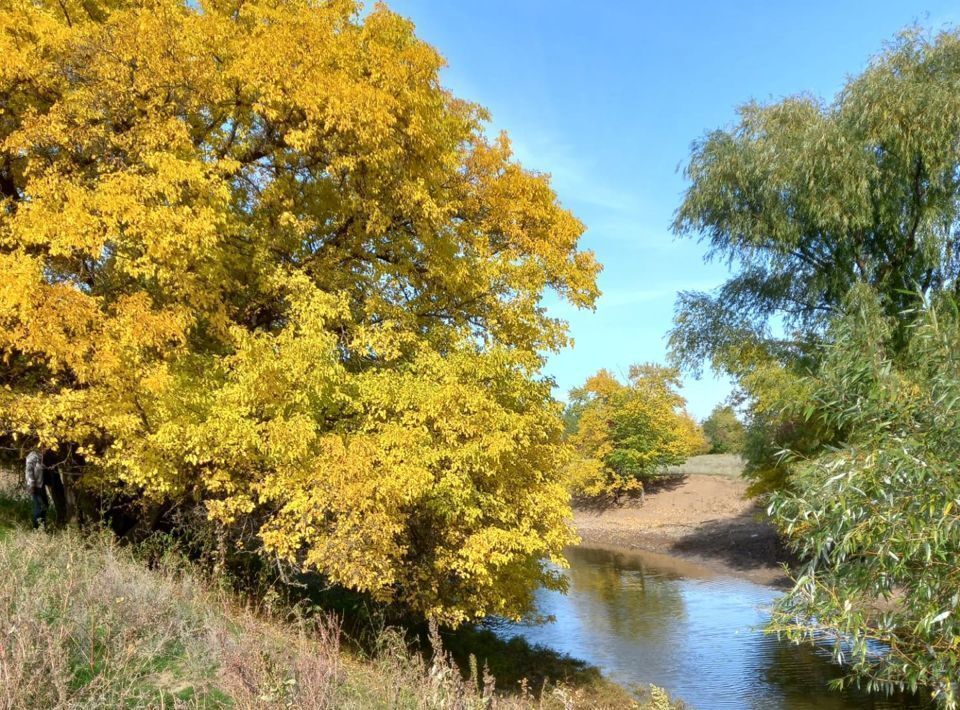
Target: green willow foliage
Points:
(806, 199)
(878, 516)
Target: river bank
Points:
(704, 517)
(89, 624)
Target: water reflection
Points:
(646, 618)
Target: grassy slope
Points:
(85, 625)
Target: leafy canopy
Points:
(878, 516)
(806, 199)
(626, 433)
(255, 255)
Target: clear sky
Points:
(607, 97)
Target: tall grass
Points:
(84, 624)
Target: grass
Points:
(710, 465)
(14, 510)
(85, 624)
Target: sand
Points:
(705, 518)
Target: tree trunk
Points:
(73, 507)
(58, 494)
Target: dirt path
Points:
(704, 518)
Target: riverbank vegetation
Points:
(89, 624)
(839, 327)
(877, 517)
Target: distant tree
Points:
(724, 431)
(806, 199)
(626, 433)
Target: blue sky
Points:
(607, 97)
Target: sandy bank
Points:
(705, 518)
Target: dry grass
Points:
(83, 624)
(710, 465)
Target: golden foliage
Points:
(626, 433)
(255, 254)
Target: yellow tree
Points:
(255, 256)
(625, 434)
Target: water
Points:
(646, 618)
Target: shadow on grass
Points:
(517, 666)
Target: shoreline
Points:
(700, 518)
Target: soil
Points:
(704, 518)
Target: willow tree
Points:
(875, 518)
(806, 199)
(255, 256)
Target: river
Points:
(645, 618)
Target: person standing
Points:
(35, 484)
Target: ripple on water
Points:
(645, 618)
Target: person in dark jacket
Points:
(35, 484)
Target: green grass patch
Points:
(14, 512)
